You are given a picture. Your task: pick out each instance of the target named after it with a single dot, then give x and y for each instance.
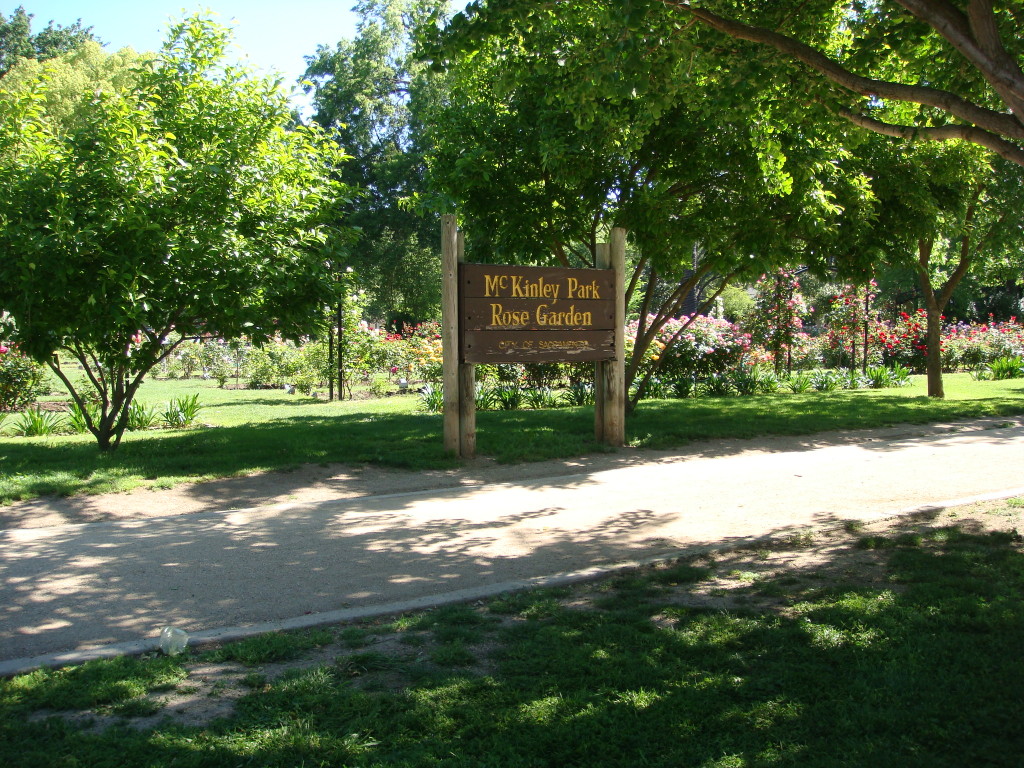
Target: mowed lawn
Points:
(263, 430)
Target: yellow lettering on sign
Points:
(569, 317)
(522, 288)
(566, 344)
(494, 284)
(579, 291)
(504, 319)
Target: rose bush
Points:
(706, 346)
(21, 380)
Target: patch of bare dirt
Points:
(322, 482)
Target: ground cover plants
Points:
(892, 643)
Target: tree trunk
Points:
(330, 358)
(933, 328)
(339, 347)
(933, 334)
(936, 301)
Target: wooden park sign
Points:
(512, 314)
(535, 314)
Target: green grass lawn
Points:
(252, 431)
(901, 650)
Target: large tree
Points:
(928, 69)
(73, 77)
(17, 41)
(544, 143)
(957, 63)
(367, 91)
(178, 206)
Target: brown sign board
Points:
(513, 314)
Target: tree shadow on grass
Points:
(414, 441)
(893, 650)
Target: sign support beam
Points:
(495, 313)
(467, 389)
(602, 260)
(450, 334)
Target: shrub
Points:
(539, 397)
(755, 381)
(900, 375)
(543, 375)
(826, 381)
(777, 318)
(769, 382)
(271, 366)
(21, 380)
(698, 346)
(878, 377)
(181, 412)
(221, 371)
(76, 417)
(306, 381)
(35, 422)
(192, 358)
(1007, 367)
(655, 389)
(580, 393)
(717, 385)
(380, 385)
(799, 383)
(509, 396)
(141, 416)
(845, 318)
(970, 345)
(511, 373)
(684, 387)
(432, 399)
(851, 380)
(485, 399)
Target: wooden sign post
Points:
(495, 313)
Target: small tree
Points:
(852, 322)
(177, 206)
(777, 316)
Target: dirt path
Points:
(328, 544)
(315, 483)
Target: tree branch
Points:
(964, 264)
(637, 271)
(999, 123)
(976, 37)
(1005, 149)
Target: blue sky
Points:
(275, 36)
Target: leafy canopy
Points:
(17, 41)
(371, 92)
(935, 70)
